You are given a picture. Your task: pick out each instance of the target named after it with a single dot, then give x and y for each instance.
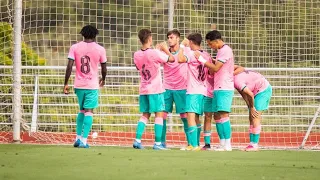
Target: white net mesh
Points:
(263, 34)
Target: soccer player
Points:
(223, 86)
(175, 84)
(87, 55)
(208, 110)
(151, 100)
(196, 88)
(256, 91)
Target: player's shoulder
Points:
(137, 52)
(99, 47)
(226, 48)
(76, 44)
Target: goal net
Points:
(280, 39)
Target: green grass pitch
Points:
(37, 162)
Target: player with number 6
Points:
(151, 100)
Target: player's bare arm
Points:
(238, 69)
(67, 76)
(181, 57)
(250, 98)
(103, 74)
(163, 47)
(212, 67)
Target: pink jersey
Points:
(209, 82)
(87, 57)
(252, 80)
(196, 73)
(223, 79)
(175, 74)
(148, 63)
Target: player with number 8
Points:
(87, 55)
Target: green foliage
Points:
(29, 56)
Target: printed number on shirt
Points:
(145, 73)
(85, 64)
(202, 73)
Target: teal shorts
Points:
(207, 106)
(151, 103)
(222, 100)
(195, 103)
(176, 96)
(87, 98)
(262, 99)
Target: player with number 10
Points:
(196, 88)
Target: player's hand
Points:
(185, 42)
(101, 82)
(197, 54)
(162, 46)
(66, 89)
(254, 113)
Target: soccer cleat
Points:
(251, 148)
(76, 143)
(206, 147)
(137, 145)
(159, 147)
(164, 145)
(81, 145)
(196, 148)
(228, 148)
(188, 148)
(219, 148)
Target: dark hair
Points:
(174, 31)
(213, 35)
(89, 32)
(196, 38)
(144, 35)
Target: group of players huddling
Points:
(193, 80)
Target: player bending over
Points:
(175, 84)
(151, 100)
(256, 91)
(196, 88)
(223, 87)
(87, 55)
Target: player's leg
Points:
(192, 130)
(80, 117)
(219, 126)
(144, 109)
(207, 130)
(224, 102)
(262, 101)
(250, 132)
(208, 112)
(255, 133)
(199, 126)
(179, 98)
(157, 106)
(194, 109)
(91, 102)
(168, 99)
(184, 119)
